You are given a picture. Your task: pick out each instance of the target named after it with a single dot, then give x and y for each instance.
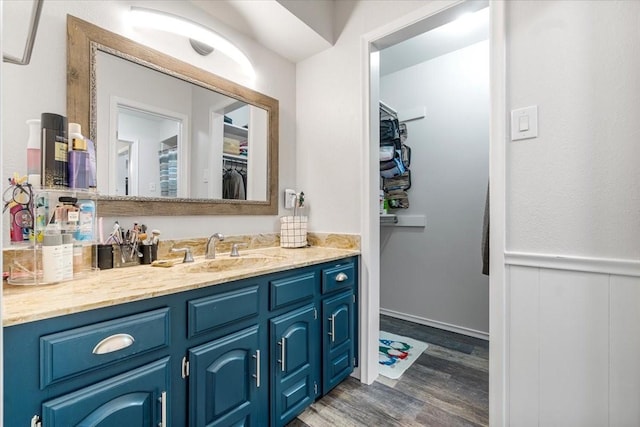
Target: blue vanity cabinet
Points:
(136, 398)
(94, 368)
(252, 352)
(225, 381)
(225, 365)
(294, 340)
(338, 316)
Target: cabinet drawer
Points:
(215, 311)
(338, 277)
(291, 290)
(75, 351)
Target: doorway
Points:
(427, 18)
(437, 85)
(148, 151)
(126, 173)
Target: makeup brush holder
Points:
(124, 256)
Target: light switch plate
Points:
(526, 119)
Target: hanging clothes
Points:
(233, 185)
(485, 236)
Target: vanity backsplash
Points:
(197, 245)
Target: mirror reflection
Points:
(110, 77)
(169, 138)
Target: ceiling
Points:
(469, 29)
(299, 29)
(294, 29)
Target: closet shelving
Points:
(234, 161)
(232, 130)
(396, 182)
(395, 159)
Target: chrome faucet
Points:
(210, 249)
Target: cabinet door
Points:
(294, 338)
(134, 399)
(338, 343)
(224, 381)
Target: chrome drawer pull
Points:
(283, 349)
(332, 334)
(163, 409)
(257, 375)
(113, 343)
(341, 277)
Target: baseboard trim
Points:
(436, 324)
(574, 263)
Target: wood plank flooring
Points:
(447, 386)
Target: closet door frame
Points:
(369, 291)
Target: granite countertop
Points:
(106, 288)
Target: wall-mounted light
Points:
(203, 39)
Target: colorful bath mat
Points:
(396, 353)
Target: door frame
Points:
(369, 313)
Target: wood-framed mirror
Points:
(190, 187)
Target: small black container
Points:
(146, 254)
(105, 256)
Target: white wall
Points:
(574, 190)
(573, 211)
(434, 274)
(330, 117)
(41, 87)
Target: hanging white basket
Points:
(293, 231)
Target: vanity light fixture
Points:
(204, 38)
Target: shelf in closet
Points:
(234, 130)
(234, 157)
(393, 220)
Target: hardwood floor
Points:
(447, 386)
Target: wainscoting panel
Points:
(574, 344)
(523, 346)
(625, 352)
(574, 348)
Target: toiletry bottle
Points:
(86, 221)
(91, 164)
(40, 223)
(20, 223)
(67, 214)
(67, 256)
(78, 259)
(34, 156)
(78, 157)
(54, 150)
(52, 263)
